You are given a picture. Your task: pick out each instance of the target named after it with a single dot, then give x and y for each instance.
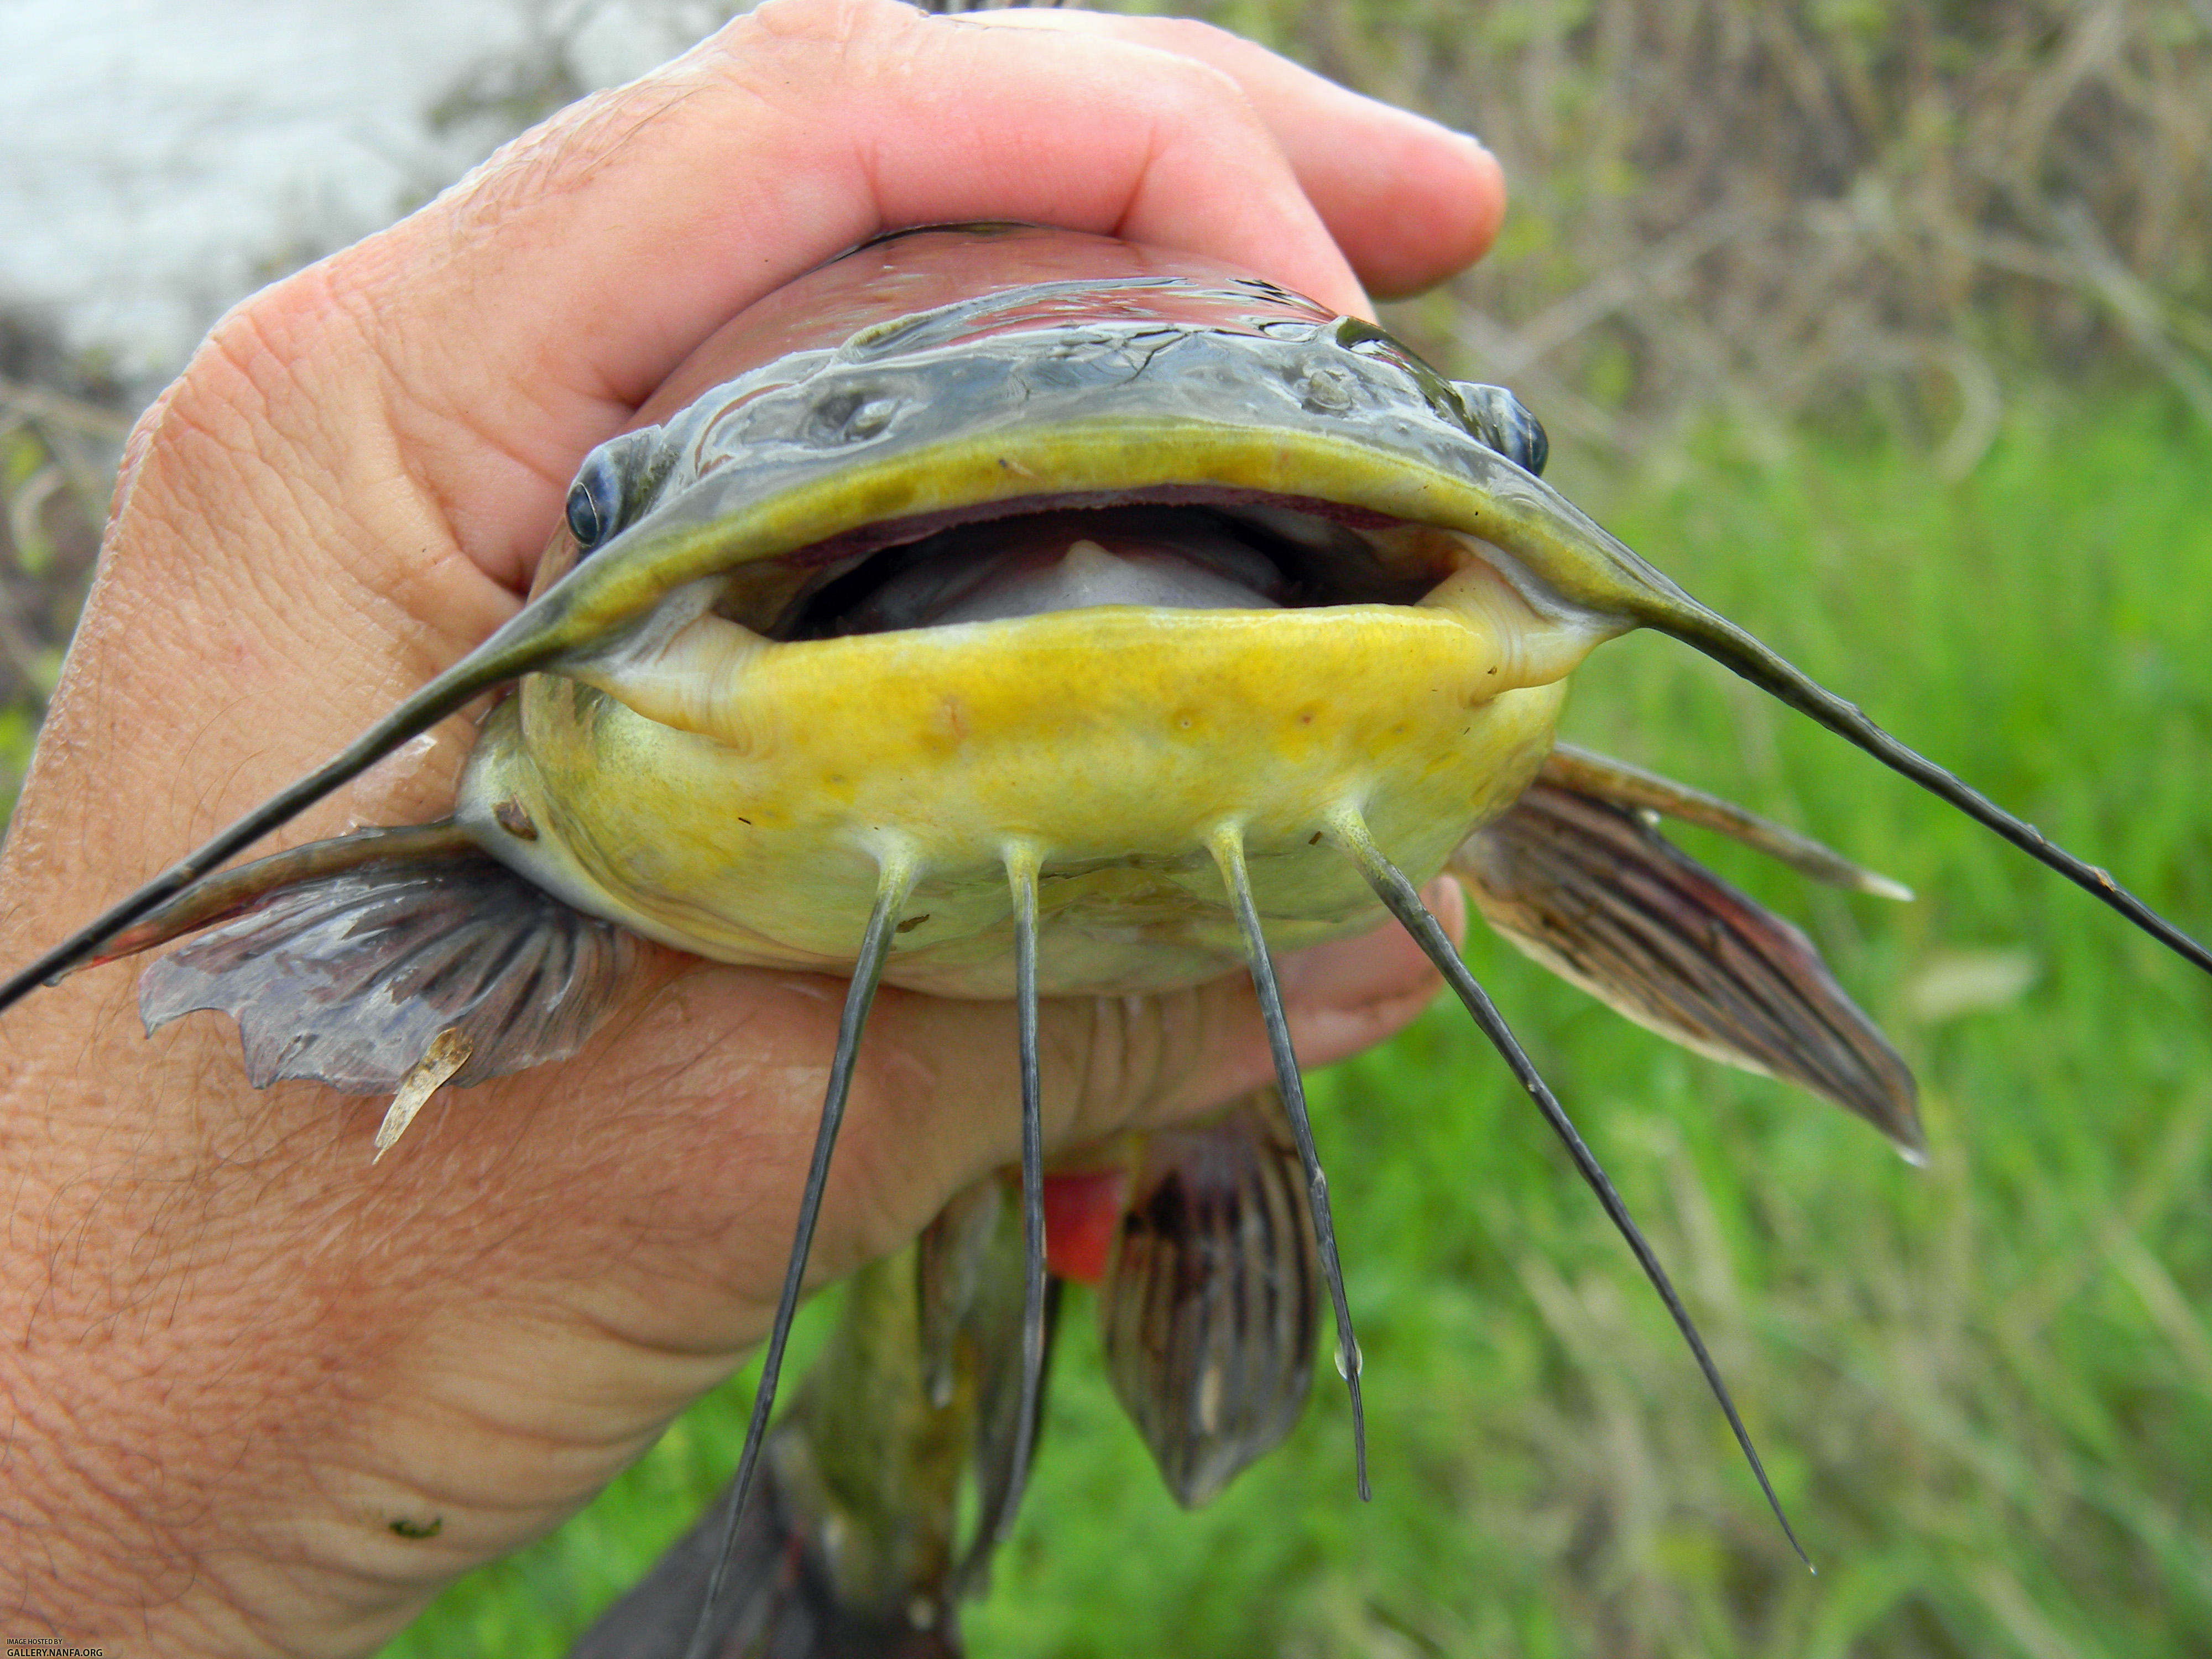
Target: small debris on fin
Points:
(448, 1052)
(351, 976)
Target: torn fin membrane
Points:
(1586, 889)
(351, 978)
(234, 892)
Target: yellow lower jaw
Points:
(1114, 741)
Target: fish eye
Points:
(594, 503)
(1502, 421)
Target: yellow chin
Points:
(748, 821)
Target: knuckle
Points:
(557, 158)
(1140, 1058)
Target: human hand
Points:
(236, 1354)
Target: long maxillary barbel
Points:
(1349, 831)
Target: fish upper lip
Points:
(698, 673)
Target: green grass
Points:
(1984, 1388)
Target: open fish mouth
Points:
(1001, 611)
(1263, 558)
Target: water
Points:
(160, 159)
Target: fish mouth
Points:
(1106, 676)
(1219, 556)
(1095, 572)
(692, 616)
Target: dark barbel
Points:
(1229, 854)
(1022, 872)
(525, 643)
(1404, 900)
(895, 884)
(1716, 637)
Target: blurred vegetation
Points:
(1894, 210)
(1886, 327)
(62, 425)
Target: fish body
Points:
(999, 612)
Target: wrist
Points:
(96, 1525)
(166, 1410)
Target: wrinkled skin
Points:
(235, 1354)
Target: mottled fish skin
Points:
(728, 794)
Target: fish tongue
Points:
(1088, 574)
(1054, 568)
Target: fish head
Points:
(1001, 542)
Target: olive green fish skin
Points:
(857, 1544)
(850, 437)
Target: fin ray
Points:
(1604, 778)
(1209, 1310)
(348, 978)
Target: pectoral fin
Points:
(354, 975)
(1587, 888)
(1211, 1303)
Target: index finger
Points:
(1409, 201)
